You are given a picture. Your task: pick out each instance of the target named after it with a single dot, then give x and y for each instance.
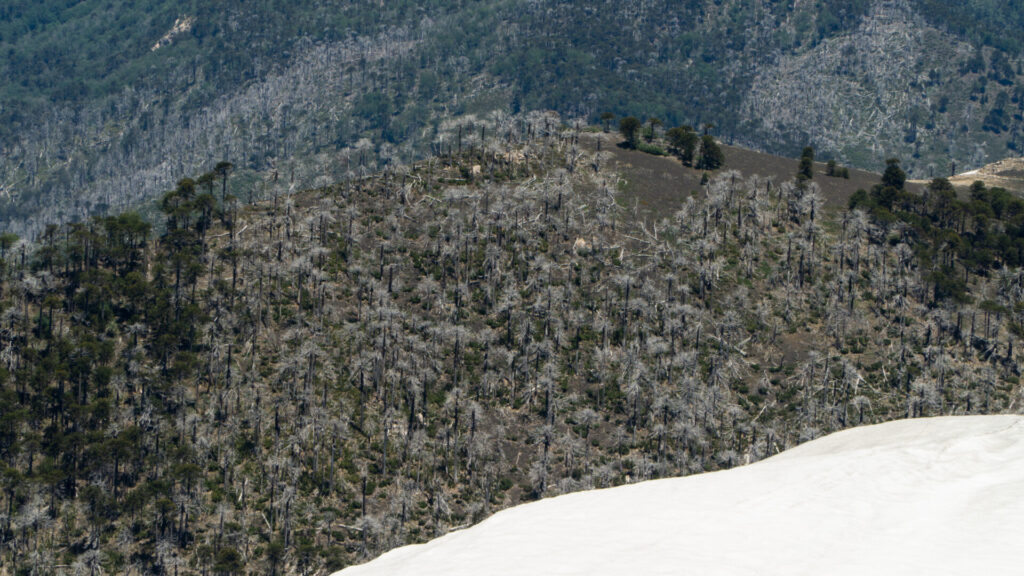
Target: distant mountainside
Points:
(106, 104)
(929, 496)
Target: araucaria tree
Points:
(894, 176)
(652, 132)
(711, 156)
(606, 118)
(629, 127)
(806, 170)
(683, 141)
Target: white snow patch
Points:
(926, 496)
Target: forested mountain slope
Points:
(106, 104)
(303, 383)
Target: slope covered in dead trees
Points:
(293, 386)
(94, 121)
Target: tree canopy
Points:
(711, 155)
(629, 127)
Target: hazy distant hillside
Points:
(93, 117)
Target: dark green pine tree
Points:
(629, 127)
(806, 169)
(711, 156)
(606, 119)
(684, 141)
(894, 176)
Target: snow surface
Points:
(925, 496)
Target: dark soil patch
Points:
(657, 185)
(836, 191)
(796, 347)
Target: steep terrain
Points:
(876, 90)
(303, 383)
(930, 496)
(94, 120)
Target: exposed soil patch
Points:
(657, 185)
(1008, 174)
(796, 347)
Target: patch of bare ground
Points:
(1008, 174)
(657, 185)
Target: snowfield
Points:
(926, 496)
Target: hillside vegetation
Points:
(93, 120)
(299, 384)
